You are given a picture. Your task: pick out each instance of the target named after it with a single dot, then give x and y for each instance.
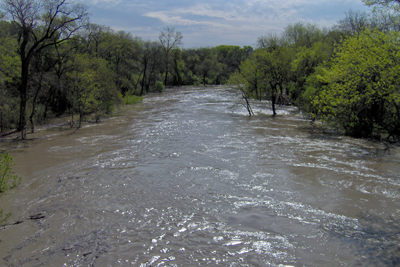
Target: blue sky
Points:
(215, 22)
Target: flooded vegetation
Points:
(186, 178)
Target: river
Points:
(187, 178)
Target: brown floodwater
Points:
(186, 178)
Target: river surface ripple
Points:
(187, 178)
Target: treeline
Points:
(53, 64)
(346, 76)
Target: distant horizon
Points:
(212, 23)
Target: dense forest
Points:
(54, 62)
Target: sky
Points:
(208, 23)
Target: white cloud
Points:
(236, 21)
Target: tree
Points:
(303, 65)
(178, 67)
(359, 91)
(357, 21)
(208, 67)
(391, 4)
(230, 57)
(7, 180)
(119, 49)
(9, 76)
(41, 24)
(270, 41)
(151, 65)
(300, 34)
(275, 69)
(92, 89)
(169, 40)
(240, 82)
(249, 80)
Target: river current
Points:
(187, 178)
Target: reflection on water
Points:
(187, 178)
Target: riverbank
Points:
(12, 139)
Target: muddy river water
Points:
(188, 179)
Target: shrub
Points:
(7, 180)
(159, 87)
(132, 99)
(4, 218)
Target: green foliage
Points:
(129, 99)
(359, 92)
(7, 180)
(92, 88)
(303, 35)
(4, 217)
(250, 77)
(159, 87)
(303, 66)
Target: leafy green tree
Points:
(9, 77)
(120, 51)
(275, 68)
(230, 57)
(40, 24)
(249, 80)
(192, 59)
(250, 74)
(303, 65)
(208, 68)
(91, 87)
(359, 90)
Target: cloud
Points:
(95, 2)
(205, 22)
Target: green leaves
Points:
(91, 86)
(360, 90)
(7, 180)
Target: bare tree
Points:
(40, 24)
(169, 40)
(270, 41)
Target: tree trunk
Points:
(166, 70)
(23, 97)
(80, 120)
(48, 103)
(273, 100)
(166, 77)
(33, 107)
(144, 78)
